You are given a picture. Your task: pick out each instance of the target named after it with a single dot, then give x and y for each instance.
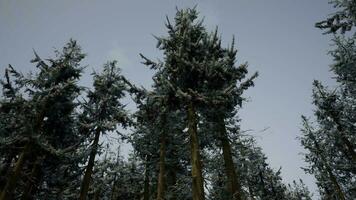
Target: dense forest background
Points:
(181, 135)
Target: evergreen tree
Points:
(103, 112)
(198, 73)
(330, 141)
(45, 132)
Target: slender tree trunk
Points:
(233, 185)
(162, 165)
(32, 180)
(89, 170)
(11, 182)
(197, 177)
(146, 188)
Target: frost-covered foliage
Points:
(102, 112)
(330, 139)
(258, 180)
(343, 20)
(186, 138)
(38, 126)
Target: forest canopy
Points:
(185, 133)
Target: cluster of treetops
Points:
(185, 133)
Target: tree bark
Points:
(162, 165)
(11, 182)
(197, 177)
(89, 170)
(233, 184)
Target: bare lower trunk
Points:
(89, 170)
(161, 176)
(233, 185)
(11, 182)
(197, 177)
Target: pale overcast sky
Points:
(277, 39)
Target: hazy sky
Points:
(277, 39)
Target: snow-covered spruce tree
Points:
(184, 52)
(59, 174)
(103, 112)
(320, 158)
(197, 73)
(330, 141)
(225, 86)
(45, 133)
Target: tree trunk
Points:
(197, 177)
(233, 185)
(146, 188)
(32, 180)
(162, 165)
(89, 170)
(11, 182)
